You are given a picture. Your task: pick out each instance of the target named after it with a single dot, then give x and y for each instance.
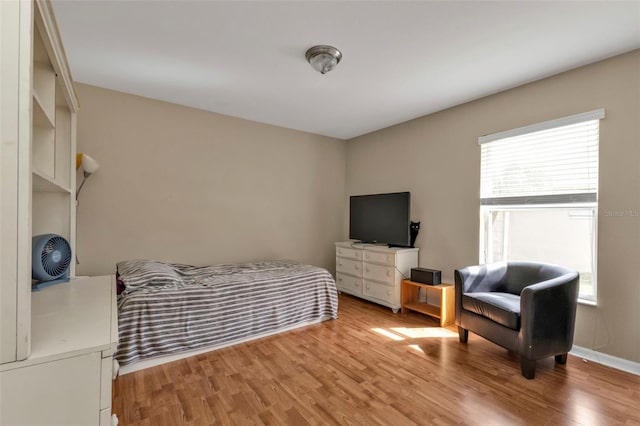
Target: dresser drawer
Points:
(349, 252)
(379, 257)
(379, 273)
(348, 266)
(383, 292)
(349, 283)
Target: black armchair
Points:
(526, 307)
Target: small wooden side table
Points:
(446, 312)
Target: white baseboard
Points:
(608, 360)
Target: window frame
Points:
(548, 201)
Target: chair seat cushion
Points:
(503, 308)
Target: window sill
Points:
(587, 302)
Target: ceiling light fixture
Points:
(323, 58)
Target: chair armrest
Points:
(547, 315)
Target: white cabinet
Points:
(56, 344)
(374, 272)
(32, 395)
(67, 378)
(37, 157)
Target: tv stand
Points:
(374, 272)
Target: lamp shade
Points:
(88, 164)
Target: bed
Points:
(166, 308)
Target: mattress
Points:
(170, 308)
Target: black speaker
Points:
(425, 276)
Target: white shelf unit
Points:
(53, 134)
(38, 122)
(44, 107)
(56, 352)
(37, 153)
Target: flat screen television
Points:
(380, 218)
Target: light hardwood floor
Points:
(373, 367)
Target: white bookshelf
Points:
(37, 158)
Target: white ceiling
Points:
(401, 60)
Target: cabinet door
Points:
(63, 392)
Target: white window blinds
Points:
(548, 163)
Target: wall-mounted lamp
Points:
(89, 166)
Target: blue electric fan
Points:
(51, 258)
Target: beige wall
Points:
(183, 185)
(437, 158)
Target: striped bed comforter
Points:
(170, 308)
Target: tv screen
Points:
(380, 218)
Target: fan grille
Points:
(56, 256)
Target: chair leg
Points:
(463, 335)
(528, 367)
(561, 359)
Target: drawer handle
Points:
(366, 256)
(388, 292)
(357, 267)
(388, 273)
(357, 284)
(339, 263)
(340, 279)
(367, 269)
(368, 286)
(388, 259)
(340, 251)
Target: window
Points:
(539, 195)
